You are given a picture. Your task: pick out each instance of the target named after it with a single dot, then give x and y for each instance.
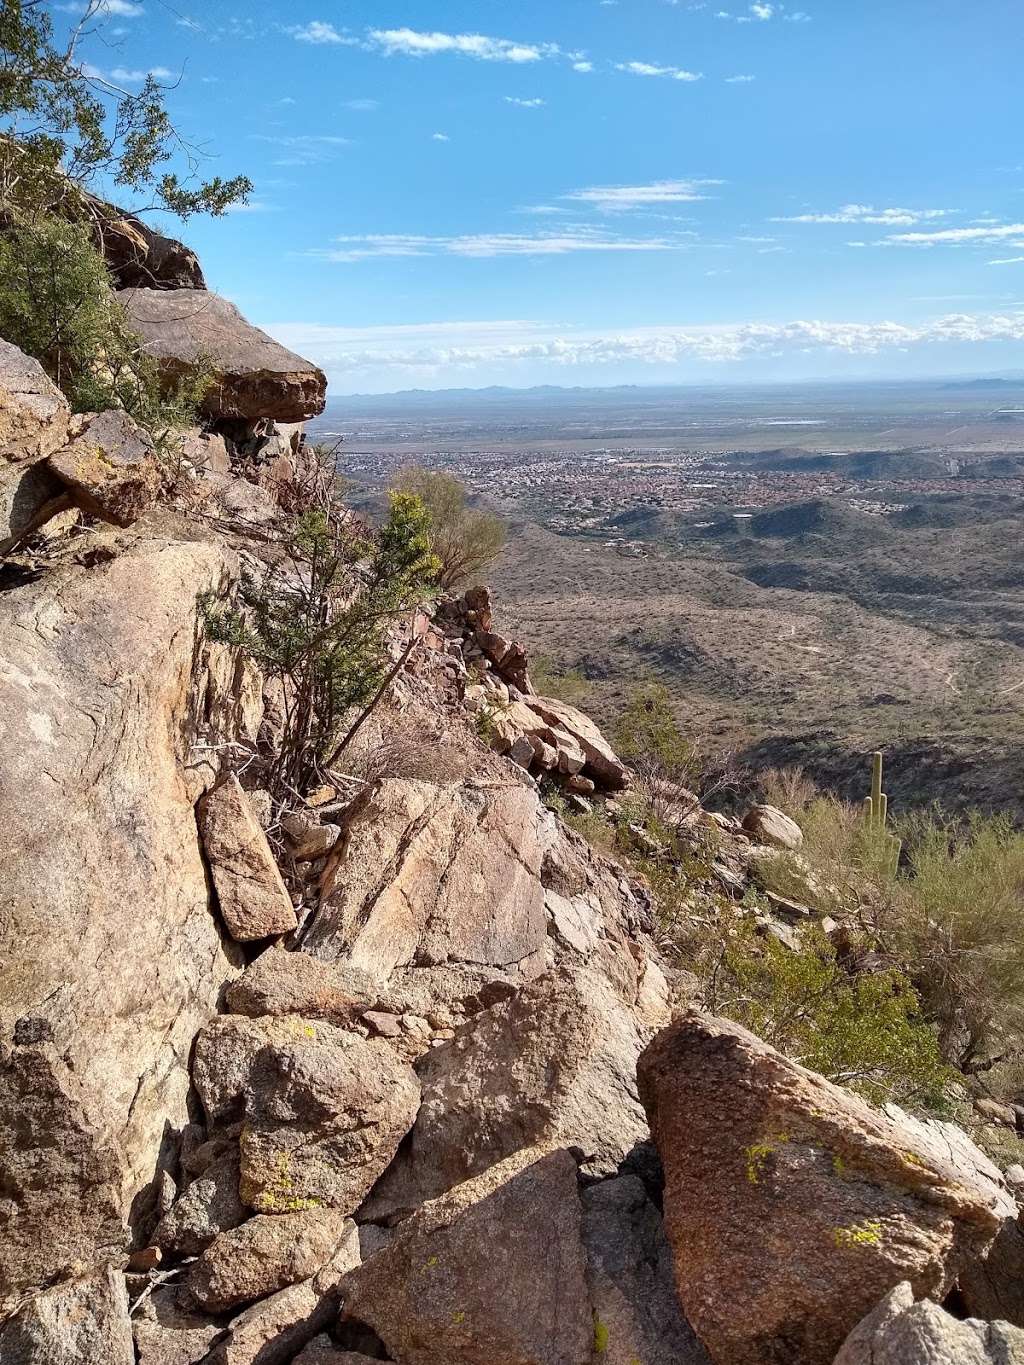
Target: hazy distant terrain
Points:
(815, 571)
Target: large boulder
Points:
(791, 1205)
(771, 826)
(429, 874)
(108, 946)
(282, 982)
(138, 257)
(254, 376)
(553, 1066)
(79, 1322)
(323, 1119)
(110, 467)
(492, 1273)
(169, 1332)
(601, 762)
(34, 417)
(902, 1332)
(251, 894)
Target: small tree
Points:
(320, 624)
(465, 539)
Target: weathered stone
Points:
(110, 467)
(553, 1066)
(106, 933)
(266, 1254)
(791, 1205)
(205, 450)
(225, 1052)
(992, 1286)
(637, 1318)
(994, 1112)
(601, 763)
(78, 1322)
(168, 1334)
(138, 257)
(254, 376)
(308, 838)
(34, 417)
(59, 1175)
(436, 873)
(283, 982)
(210, 1205)
(902, 1332)
(768, 825)
(324, 1117)
(323, 1351)
(492, 1273)
(251, 893)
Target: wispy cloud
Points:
(320, 33)
(1008, 260)
(303, 149)
(867, 213)
(411, 43)
(762, 11)
(487, 245)
(440, 137)
(362, 106)
(119, 9)
(958, 236)
(441, 348)
(739, 80)
(620, 197)
(524, 104)
(674, 73)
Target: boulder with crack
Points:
(793, 1206)
(492, 1273)
(34, 419)
(427, 874)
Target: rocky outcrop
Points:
(136, 256)
(791, 1205)
(428, 874)
(109, 467)
(492, 1273)
(82, 1320)
(254, 376)
(902, 1332)
(34, 418)
(769, 825)
(107, 944)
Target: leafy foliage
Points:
(321, 627)
(64, 126)
(465, 539)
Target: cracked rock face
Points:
(107, 941)
(792, 1206)
(429, 874)
(34, 417)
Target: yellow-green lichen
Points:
(758, 1154)
(866, 1234)
(600, 1335)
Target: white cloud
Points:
(122, 76)
(120, 9)
(739, 80)
(411, 43)
(524, 104)
(490, 244)
(583, 65)
(1008, 260)
(618, 197)
(362, 106)
(320, 33)
(440, 137)
(674, 73)
(957, 236)
(303, 149)
(866, 213)
(764, 10)
(431, 349)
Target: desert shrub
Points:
(465, 539)
(565, 684)
(323, 629)
(56, 304)
(864, 1030)
(790, 789)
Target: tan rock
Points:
(110, 467)
(34, 417)
(283, 982)
(226, 1051)
(768, 825)
(601, 763)
(992, 1286)
(106, 935)
(791, 1205)
(434, 874)
(308, 838)
(266, 1254)
(902, 1332)
(492, 1273)
(553, 1066)
(78, 1322)
(324, 1118)
(209, 1206)
(323, 1351)
(255, 377)
(168, 1334)
(251, 893)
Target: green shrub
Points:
(465, 539)
(565, 684)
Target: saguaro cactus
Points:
(876, 813)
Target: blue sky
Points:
(586, 192)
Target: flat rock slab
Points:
(792, 1206)
(251, 893)
(255, 377)
(492, 1273)
(110, 467)
(434, 873)
(282, 982)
